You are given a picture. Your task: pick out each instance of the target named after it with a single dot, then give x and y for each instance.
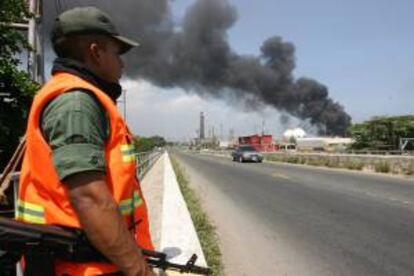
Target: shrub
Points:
(315, 162)
(272, 157)
(382, 166)
(354, 165)
(293, 159)
(331, 163)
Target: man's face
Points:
(109, 63)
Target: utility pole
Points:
(35, 56)
(263, 127)
(31, 37)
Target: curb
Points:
(179, 238)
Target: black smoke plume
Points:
(195, 55)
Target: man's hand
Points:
(103, 223)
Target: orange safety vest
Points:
(44, 199)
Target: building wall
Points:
(260, 143)
(323, 144)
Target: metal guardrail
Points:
(145, 161)
(381, 152)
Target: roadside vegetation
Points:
(382, 133)
(144, 144)
(332, 162)
(410, 170)
(354, 165)
(16, 88)
(205, 230)
(382, 167)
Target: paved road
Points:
(281, 219)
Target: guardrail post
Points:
(145, 160)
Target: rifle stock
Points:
(71, 244)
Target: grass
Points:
(409, 170)
(293, 159)
(354, 165)
(330, 163)
(205, 230)
(383, 167)
(315, 162)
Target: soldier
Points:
(79, 169)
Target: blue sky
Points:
(362, 50)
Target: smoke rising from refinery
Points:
(196, 56)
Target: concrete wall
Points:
(179, 238)
(172, 229)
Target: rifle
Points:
(11, 166)
(19, 238)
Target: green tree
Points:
(360, 133)
(383, 132)
(16, 88)
(143, 144)
(159, 141)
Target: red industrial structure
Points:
(260, 143)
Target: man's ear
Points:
(94, 52)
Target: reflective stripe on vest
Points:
(127, 206)
(128, 153)
(30, 212)
(36, 214)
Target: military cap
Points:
(87, 20)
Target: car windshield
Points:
(247, 148)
